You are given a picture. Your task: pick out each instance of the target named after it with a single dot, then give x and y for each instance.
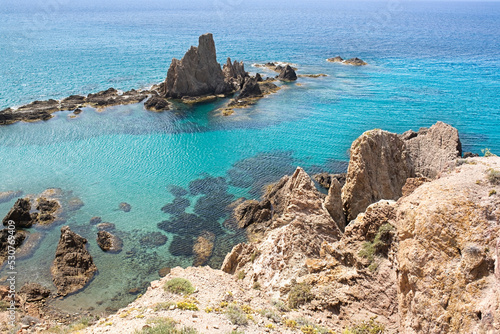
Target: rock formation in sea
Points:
(234, 73)
(287, 74)
(10, 240)
(20, 214)
(109, 242)
(197, 73)
(73, 267)
(352, 61)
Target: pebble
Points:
(216, 327)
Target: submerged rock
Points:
(7, 196)
(182, 245)
(73, 267)
(203, 248)
(109, 242)
(153, 239)
(20, 214)
(13, 239)
(125, 207)
(287, 74)
(197, 73)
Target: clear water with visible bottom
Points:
(428, 62)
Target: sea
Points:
(180, 170)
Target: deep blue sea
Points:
(428, 62)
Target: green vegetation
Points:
(492, 192)
(271, 315)
(379, 245)
(254, 255)
(256, 285)
(299, 295)
(241, 274)
(163, 306)
(366, 327)
(280, 306)
(165, 326)
(487, 153)
(236, 316)
(494, 176)
(179, 286)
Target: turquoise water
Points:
(428, 62)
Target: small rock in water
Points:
(95, 220)
(125, 207)
(164, 271)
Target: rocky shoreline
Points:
(408, 237)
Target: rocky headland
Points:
(408, 244)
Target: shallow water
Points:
(428, 62)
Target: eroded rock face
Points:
(20, 214)
(448, 231)
(197, 73)
(378, 169)
(287, 74)
(234, 73)
(18, 239)
(431, 150)
(251, 88)
(73, 266)
(333, 203)
(299, 211)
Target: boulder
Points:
(197, 73)
(47, 210)
(109, 242)
(20, 214)
(431, 150)
(378, 169)
(203, 248)
(157, 103)
(34, 292)
(287, 73)
(73, 267)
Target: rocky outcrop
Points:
(378, 169)
(33, 292)
(197, 73)
(251, 88)
(73, 267)
(20, 214)
(431, 150)
(355, 61)
(47, 211)
(333, 203)
(287, 74)
(234, 73)
(203, 248)
(125, 207)
(352, 61)
(299, 211)
(109, 242)
(448, 231)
